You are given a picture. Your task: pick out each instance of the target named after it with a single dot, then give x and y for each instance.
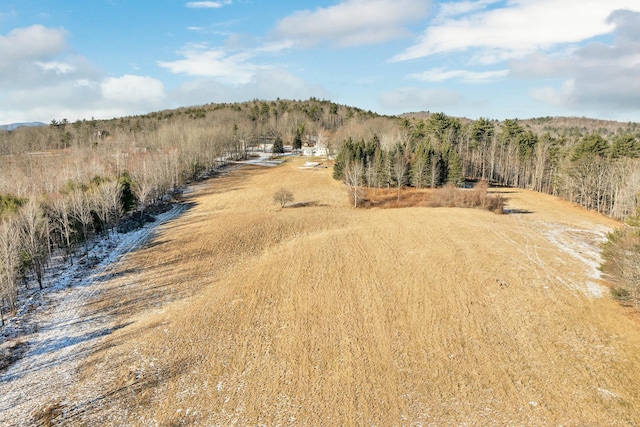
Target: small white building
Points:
(314, 151)
(316, 146)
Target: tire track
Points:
(575, 242)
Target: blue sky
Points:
(498, 59)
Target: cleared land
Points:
(243, 313)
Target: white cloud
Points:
(410, 98)
(70, 99)
(207, 4)
(275, 47)
(451, 9)
(130, 89)
(264, 84)
(38, 56)
(82, 98)
(230, 64)
(552, 96)
(272, 83)
(518, 29)
(201, 91)
(235, 73)
(42, 79)
(218, 63)
(352, 22)
(56, 66)
(66, 92)
(440, 75)
(602, 78)
(34, 42)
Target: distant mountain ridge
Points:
(542, 124)
(13, 126)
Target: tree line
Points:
(63, 184)
(595, 170)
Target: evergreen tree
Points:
(345, 155)
(482, 131)
(592, 144)
(127, 198)
(339, 164)
(380, 167)
(297, 141)
(625, 145)
(370, 150)
(443, 128)
(278, 147)
(454, 168)
(421, 165)
(438, 170)
(526, 142)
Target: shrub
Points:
(10, 204)
(478, 197)
(621, 263)
(621, 294)
(448, 196)
(283, 197)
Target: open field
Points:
(242, 313)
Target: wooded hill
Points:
(63, 183)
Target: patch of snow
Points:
(58, 330)
(582, 245)
(595, 289)
(604, 393)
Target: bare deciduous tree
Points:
(353, 174)
(283, 197)
(143, 186)
(106, 201)
(113, 196)
(621, 254)
(9, 262)
(35, 237)
(81, 207)
(58, 211)
(400, 169)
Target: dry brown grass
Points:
(448, 196)
(49, 414)
(240, 313)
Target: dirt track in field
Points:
(242, 313)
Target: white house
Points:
(319, 148)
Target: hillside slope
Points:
(242, 313)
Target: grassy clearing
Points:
(244, 313)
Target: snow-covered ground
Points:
(54, 330)
(581, 243)
(584, 246)
(260, 158)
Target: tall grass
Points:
(448, 196)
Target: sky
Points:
(497, 59)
